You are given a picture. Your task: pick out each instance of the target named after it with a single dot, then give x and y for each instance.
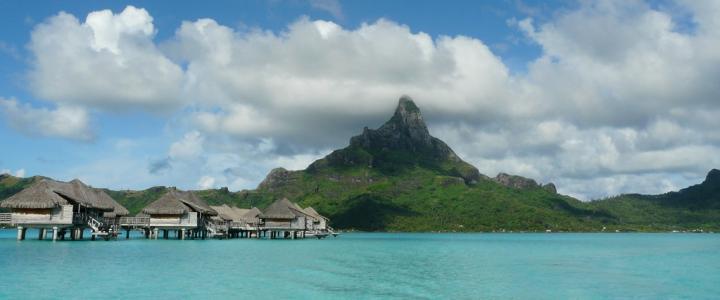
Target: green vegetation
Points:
(135, 201)
(421, 200)
(399, 178)
(696, 207)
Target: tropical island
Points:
(400, 178)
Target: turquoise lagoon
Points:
(368, 266)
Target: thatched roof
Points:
(39, 195)
(282, 209)
(230, 213)
(239, 212)
(49, 193)
(198, 204)
(176, 202)
(252, 215)
(118, 209)
(224, 212)
(313, 213)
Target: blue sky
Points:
(599, 97)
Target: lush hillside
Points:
(400, 178)
(695, 207)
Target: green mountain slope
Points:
(400, 178)
(695, 207)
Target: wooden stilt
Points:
(21, 233)
(41, 234)
(127, 234)
(55, 233)
(165, 234)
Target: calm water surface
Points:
(368, 265)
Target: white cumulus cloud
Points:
(108, 61)
(64, 121)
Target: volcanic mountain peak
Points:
(406, 131)
(402, 142)
(409, 121)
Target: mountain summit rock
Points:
(407, 123)
(713, 177)
(401, 143)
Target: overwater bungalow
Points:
(112, 218)
(251, 219)
(181, 212)
(318, 222)
(62, 207)
(246, 225)
(284, 219)
(237, 222)
(227, 216)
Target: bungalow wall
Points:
(320, 224)
(296, 223)
(51, 216)
(185, 220)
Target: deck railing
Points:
(5, 218)
(79, 218)
(270, 225)
(238, 224)
(134, 221)
(109, 221)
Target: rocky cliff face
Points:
(277, 177)
(405, 131)
(519, 182)
(514, 181)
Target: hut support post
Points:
(21, 233)
(55, 233)
(165, 234)
(182, 234)
(155, 233)
(81, 232)
(41, 234)
(127, 234)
